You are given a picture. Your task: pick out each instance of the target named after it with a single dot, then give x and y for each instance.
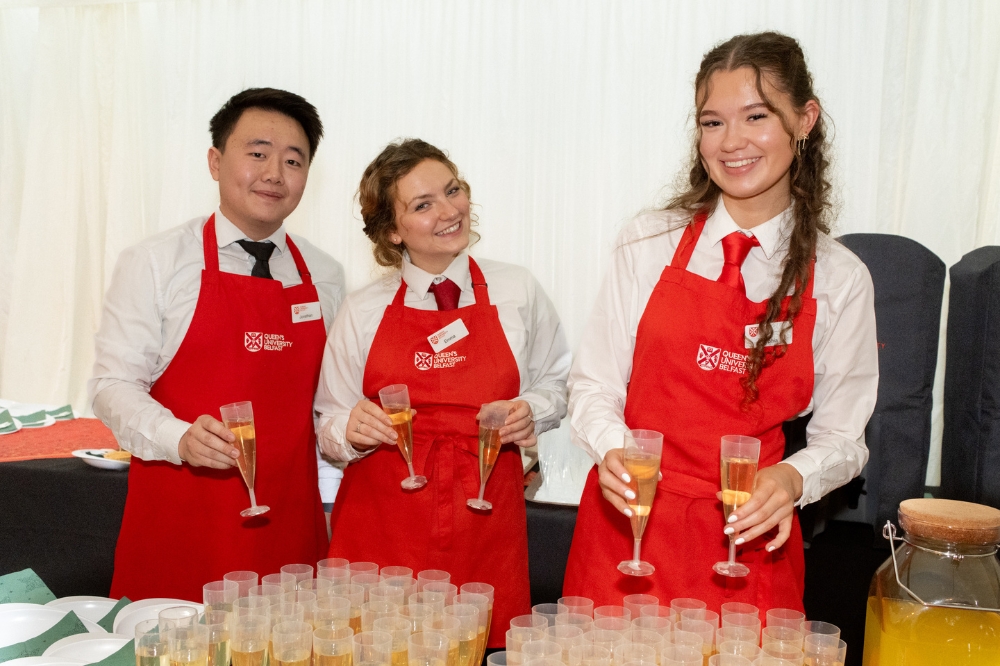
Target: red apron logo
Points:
(423, 361)
(752, 332)
(433, 339)
(254, 342)
(708, 357)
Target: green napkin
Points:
(32, 419)
(34, 647)
(6, 422)
(24, 587)
(124, 657)
(108, 620)
(64, 413)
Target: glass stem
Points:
(635, 550)
(253, 498)
(482, 491)
(732, 548)
(409, 466)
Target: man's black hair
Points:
(270, 99)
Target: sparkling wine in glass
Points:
(491, 418)
(641, 456)
(238, 417)
(396, 403)
(739, 457)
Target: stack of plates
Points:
(86, 648)
(86, 608)
(19, 622)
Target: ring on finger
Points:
(358, 429)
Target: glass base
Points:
(414, 482)
(255, 511)
(636, 568)
(731, 569)
(482, 505)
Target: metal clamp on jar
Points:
(936, 600)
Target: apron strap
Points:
(300, 263)
(478, 283)
(682, 255)
(211, 246)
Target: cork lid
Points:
(950, 520)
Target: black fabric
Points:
(909, 283)
(61, 518)
(262, 253)
(970, 463)
(550, 533)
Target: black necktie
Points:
(261, 252)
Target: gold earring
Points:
(800, 144)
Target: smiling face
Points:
(262, 172)
(432, 216)
(745, 147)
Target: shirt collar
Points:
(419, 281)
(227, 233)
(771, 234)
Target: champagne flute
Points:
(238, 417)
(491, 418)
(739, 456)
(396, 404)
(642, 452)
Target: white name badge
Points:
(448, 335)
(752, 333)
(306, 312)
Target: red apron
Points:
(686, 369)
(375, 520)
(182, 526)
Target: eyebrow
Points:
(748, 107)
(419, 197)
(265, 142)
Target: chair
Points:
(970, 464)
(909, 284)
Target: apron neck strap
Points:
(300, 263)
(478, 286)
(682, 255)
(211, 246)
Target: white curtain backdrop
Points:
(566, 116)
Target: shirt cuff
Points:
(809, 469)
(168, 438)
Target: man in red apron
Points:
(693, 408)
(226, 309)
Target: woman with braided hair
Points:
(727, 313)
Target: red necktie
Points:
(446, 294)
(735, 248)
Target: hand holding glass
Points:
(238, 417)
(739, 457)
(641, 456)
(491, 419)
(396, 404)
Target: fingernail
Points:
(629, 494)
(740, 541)
(770, 549)
(732, 518)
(626, 478)
(628, 512)
(729, 530)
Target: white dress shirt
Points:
(845, 351)
(148, 309)
(527, 316)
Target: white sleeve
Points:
(128, 344)
(340, 383)
(844, 393)
(599, 378)
(547, 363)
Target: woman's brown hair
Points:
(377, 194)
(778, 59)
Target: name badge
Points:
(777, 328)
(306, 312)
(448, 335)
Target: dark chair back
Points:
(970, 457)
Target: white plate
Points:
(20, 624)
(87, 648)
(17, 426)
(49, 420)
(147, 609)
(93, 457)
(42, 661)
(88, 608)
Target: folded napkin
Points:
(32, 419)
(6, 422)
(124, 657)
(34, 647)
(64, 413)
(108, 620)
(24, 587)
